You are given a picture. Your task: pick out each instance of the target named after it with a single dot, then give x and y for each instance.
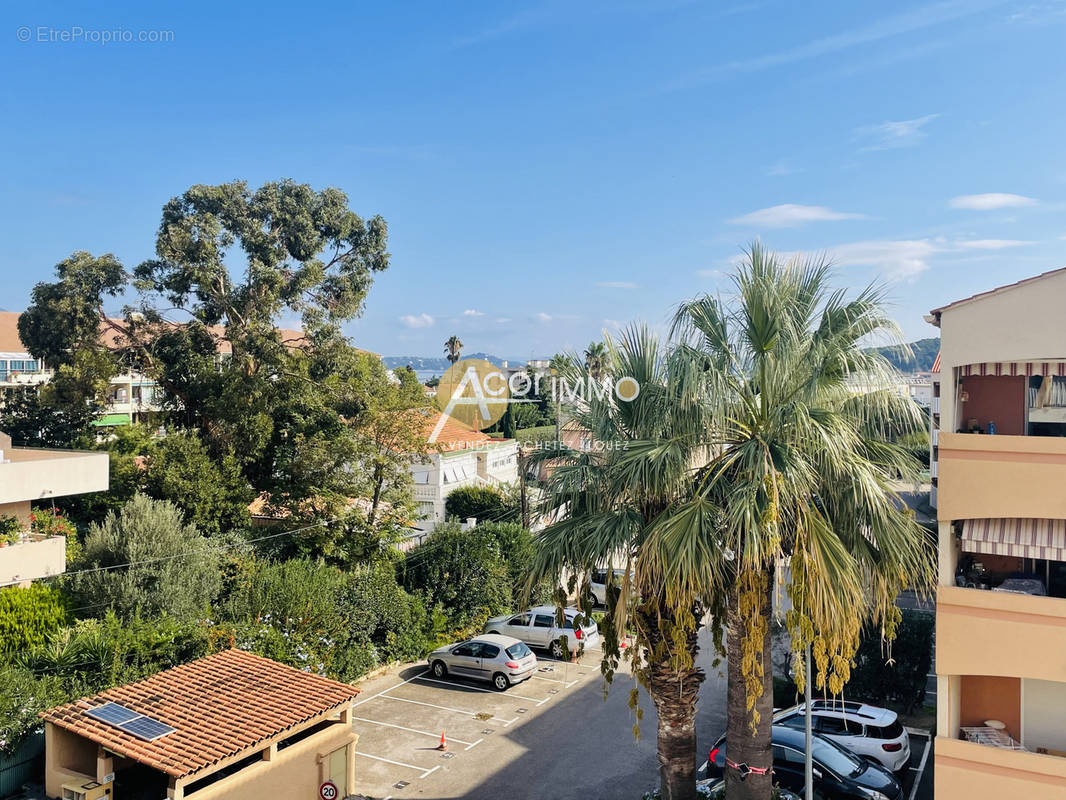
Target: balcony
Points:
(1001, 634)
(983, 476)
(32, 474)
(968, 771)
(32, 557)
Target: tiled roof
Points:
(222, 705)
(455, 435)
(997, 290)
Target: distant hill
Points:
(441, 363)
(923, 354)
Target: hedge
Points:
(28, 616)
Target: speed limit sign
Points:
(328, 791)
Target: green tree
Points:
(28, 616)
(607, 503)
(461, 572)
(795, 470)
(62, 327)
(453, 348)
(144, 559)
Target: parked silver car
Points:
(537, 627)
(503, 660)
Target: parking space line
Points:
(443, 708)
(429, 772)
(479, 689)
(402, 728)
(401, 683)
(397, 763)
(921, 769)
(474, 744)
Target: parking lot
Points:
(400, 718)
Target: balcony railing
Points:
(980, 772)
(32, 557)
(999, 476)
(1000, 633)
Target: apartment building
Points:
(466, 458)
(231, 725)
(131, 395)
(30, 474)
(1000, 467)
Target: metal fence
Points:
(25, 764)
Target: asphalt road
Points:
(568, 743)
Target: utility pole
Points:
(808, 762)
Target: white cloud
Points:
(540, 316)
(992, 244)
(710, 273)
(991, 201)
(779, 168)
(473, 312)
(899, 260)
(417, 320)
(613, 323)
(617, 285)
(908, 22)
(792, 215)
(503, 320)
(890, 135)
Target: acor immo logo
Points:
(476, 392)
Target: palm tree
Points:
(595, 358)
(453, 348)
(798, 472)
(605, 501)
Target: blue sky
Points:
(550, 169)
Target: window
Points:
(467, 649)
(486, 650)
(522, 620)
(836, 726)
(786, 755)
(518, 650)
(892, 731)
(797, 721)
(544, 621)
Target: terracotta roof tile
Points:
(221, 705)
(456, 435)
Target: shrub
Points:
(515, 545)
(899, 681)
(10, 529)
(175, 570)
(28, 616)
(481, 502)
(51, 522)
(462, 572)
(23, 697)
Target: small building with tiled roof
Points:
(231, 725)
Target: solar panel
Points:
(146, 728)
(112, 714)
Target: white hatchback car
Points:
(868, 731)
(537, 627)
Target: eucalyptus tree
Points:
(798, 473)
(605, 501)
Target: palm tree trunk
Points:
(743, 748)
(674, 693)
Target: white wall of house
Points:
(442, 473)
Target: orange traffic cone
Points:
(443, 742)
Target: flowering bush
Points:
(10, 528)
(51, 522)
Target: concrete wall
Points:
(294, 773)
(995, 398)
(27, 561)
(984, 698)
(45, 474)
(1003, 634)
(1001, 476)
(1044, 715)
(967, 771)
(68, 758)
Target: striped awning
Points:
(1015, 368)
(1021, 538)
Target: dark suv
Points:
(838, 774)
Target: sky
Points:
(549, 170)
